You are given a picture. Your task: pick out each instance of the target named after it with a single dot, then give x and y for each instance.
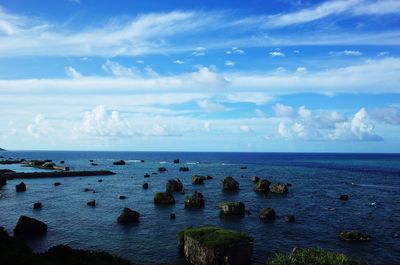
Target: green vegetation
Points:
(215, 237)
(313, 256)
(15, 252)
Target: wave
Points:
(374, 186)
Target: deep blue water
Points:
(371, 180)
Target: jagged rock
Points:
(27, 226)
(289, 218)
(344, 197)
(128, 216)
(196, 179)
(184, 169)
(91, 203)
(172, 216)
(37, 205)
(147, 175)
(262, 185)
(176, 161)
(164, 198)
(217, 246)
(57, 184)
(20, 187)
(174, 185)
(232, 208)
(230, 184)
(162, 169)
(267, 214)
(119, 162)
(145, 186)
(194, 201)
(255, 179)
(354, 236)
(279, 188)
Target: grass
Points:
(312, 256)
(215, 237)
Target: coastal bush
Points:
(312, 256)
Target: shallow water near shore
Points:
(372, 182)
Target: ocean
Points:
(372, 182)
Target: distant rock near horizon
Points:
(1, 149)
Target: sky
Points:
(200, 75)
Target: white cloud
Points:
(71, 72)
(178, 62)
(283, 110)
(388, 115)
(40, 127)
(117, 69)
(209, 106)
(382, 54)
(234, 50)
(245, 128)
(277, 54)
(230, 63)
(261, 114)
(207, 126)
(149, 71)
(199, 51)
(301, 70)
(140, 61)
(347, 53)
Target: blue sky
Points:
(265, 76)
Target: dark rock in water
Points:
(128, 216)
(344, 197)
(172, 216)
(243, 167)
(154, 173)
(174, 185)
(289, 184)
(162, 169)
(3, 181)
(184, 169)
(20, 187)
(255, 179)
(62, 162)
(88, 189)
(91, 160)
(122, 197)
(164, 198)
(248, 212)
(232, 208)
(176, 161)
(119, 162)
(194, 201)
(27, 226)
(94, 164)
(49, 165)
(146, 175)
(196, 179)
(142, 161)
(267, 214)
(262, 185)
(145, 185)
(100, 180)
(230, 184)
(37, 205)
(208, 177)
(213, 245)
(57, 184)
(289, 218)
(91, 203)
(354, 236)
(281, 188)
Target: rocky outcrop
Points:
(20, 187)
(232, 208)
(176, 161)
(230, 184)
(194, 201)
(262, 185)
(164, 198)
(344, 197)
(37, 205)
(27, 226)
(119, 162)
(145, 186)
(184, 169)
(128, 216)
(174, 185)
(281, 188)
(196, 179)
(162, 169)
(267, 214)
(216, 246)
(57, 184)
(354, 236)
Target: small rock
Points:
(20, 187)
(176, 161)
(145, 185)
(184, 169)
(37, 205)
(122, 197)
(289, 218)
(57, 184)
(119, 162)
(164, 198)
(62, 162)
(354, 236)
(172, 216)
(230, 184)
(91, 203)
(100, 180)
(194, 201)
(128, 216)
(27, 226)
(262, 185)
(147, 175)
(232, 208)
(344, 197)
(162, 169)
(174, 185)
(196, 179)
(267, 214)
(94, 164)
(281, 188)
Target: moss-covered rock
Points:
(194, 201)
(174, 185)
(214, 245)
(354, 236)
(262, 185)
(232, 208)
(196, 179)
(230, 184)
(312, 256)
(164, 198)
(267, 214)
(281, 188)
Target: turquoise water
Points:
(372, 182)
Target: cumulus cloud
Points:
(40, 127)
(199, 51)
(347, 53)
(72, 72)
(117, 69)
(178, 62)
(388, 115)
(283, 110)
(230, 63)
(234, 50)
(277, 54)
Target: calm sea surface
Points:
(371, 180)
